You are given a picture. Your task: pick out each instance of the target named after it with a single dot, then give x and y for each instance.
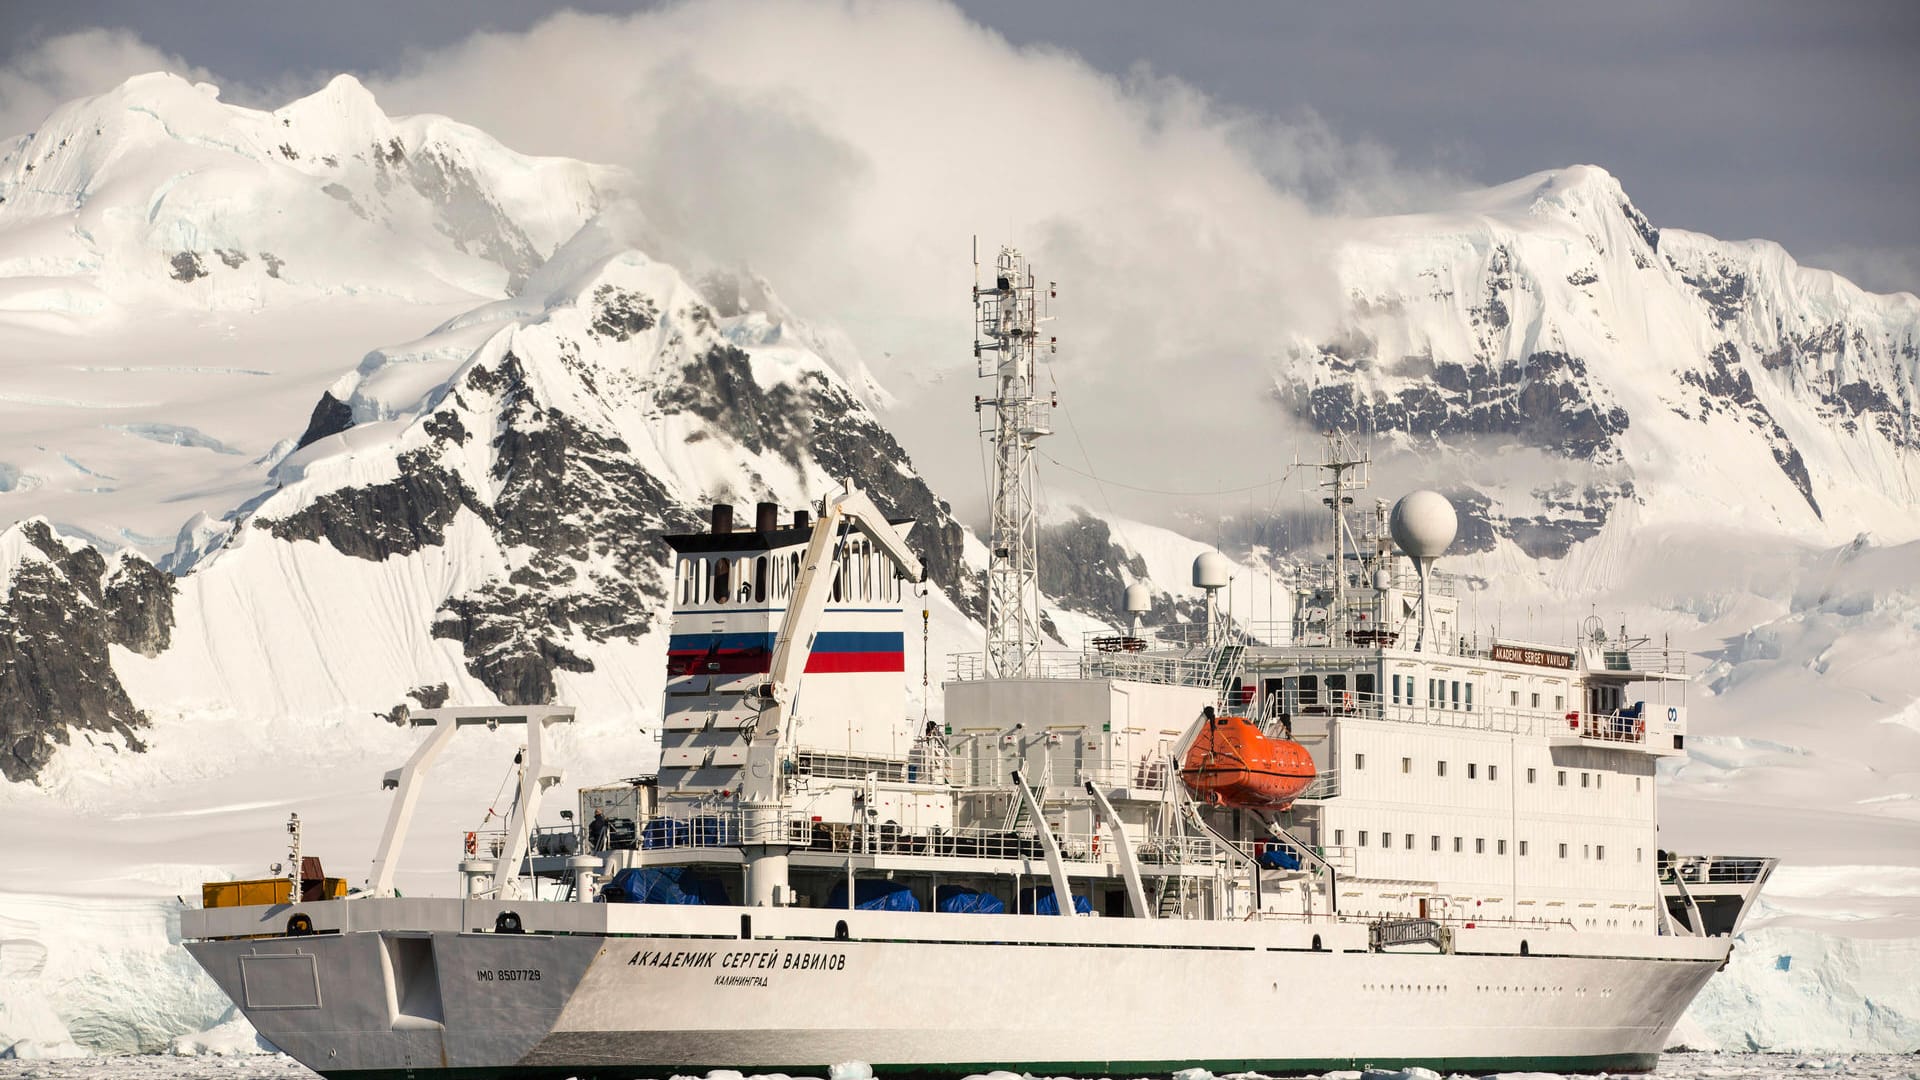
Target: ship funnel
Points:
(1424, 525)
(722, 518)
(766, 517)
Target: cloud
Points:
(1875, 269)
(849, 152)
(43, 75)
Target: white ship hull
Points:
(632, 991)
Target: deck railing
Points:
(1711, 869)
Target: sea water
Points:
(1687, 1066)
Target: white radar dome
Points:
(1424, 524)
(1139, 599)
(1211, 571)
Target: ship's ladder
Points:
(1172, 897)
(1018, 816)
(1226, 664)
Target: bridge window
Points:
(1359, 761)
(1309, 690)
(1473, 771)
(1583, 779)
(1396, 689)
(760, 580)
(1406, 764)
(1536, 701)
(1409, 841)
(1457, 846)
(1563, 851)
(1479, 845)
(1435, 844)
(1456, 693)
(1469, 697)
(1363, 838)
(1600, 852)
(1562, 777)
(1493, 772)
(1363, 688)
(1443, 768)
(1530, 776)
(1500, 847)
(1523, 848)
(1339, 837)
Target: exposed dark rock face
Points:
(619, 314)
(586, 515)
(430, 697)
(1547, 401)
(1640, 224)
(468, 216)
(1728, 388)
(1571, 515)
(1080, 567)
(331, 416)
(719, 387)
(187, 267)
(395, 518)
(56, 623)
(848, 442)
(1722, 287)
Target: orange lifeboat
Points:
(1232, 763)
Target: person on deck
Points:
(597, 831)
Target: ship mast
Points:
(1338, 458)
(1006, 345)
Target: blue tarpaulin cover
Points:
(662, 885)
(955, 900)
(1279, 857)
(665, 833)
(1040, 901)
(875, 895)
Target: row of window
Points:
(1455, 694)
(1587, 779)
(1596, 852)
(860, 573)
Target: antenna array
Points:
(1006, 346)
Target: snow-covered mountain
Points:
(1544, 349)
(308, 412)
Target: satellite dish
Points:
(1211, 571)
(1424, 525)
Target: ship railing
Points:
(1604, 657)
(1166, 668)
(1326, 785)
(546, 841)
(928, 763)
(994, 772)
(1616, 727)
(1712, 869)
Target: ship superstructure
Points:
(1361, 834)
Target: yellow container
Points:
(333, 888)
(217, 894)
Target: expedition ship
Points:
(1356, 836)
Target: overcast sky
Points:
(1798, 122)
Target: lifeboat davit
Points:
(1232, 763)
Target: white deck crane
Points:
(765, 836)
